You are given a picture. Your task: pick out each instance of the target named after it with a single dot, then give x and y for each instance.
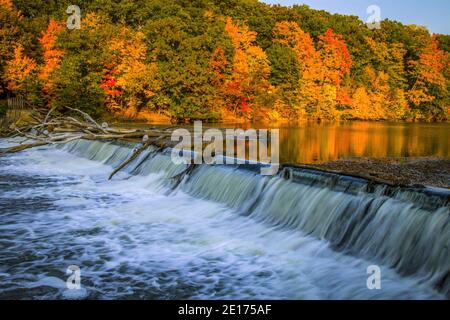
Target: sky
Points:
(434, 14)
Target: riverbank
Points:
(365, 149)
(425, 171)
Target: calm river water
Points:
(320, 142)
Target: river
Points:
(224, 233)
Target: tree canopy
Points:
(221, 59)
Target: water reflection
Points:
(319, 142)
(312, 143)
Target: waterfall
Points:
(406, 229)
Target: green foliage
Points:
(444, 42)
(79, 76)
(181, 36)
(3, 108)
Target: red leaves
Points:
(244, 105)
(109, 81)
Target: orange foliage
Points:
(250, 70)
(343, 97)
(335, 56)
(431, 64)
(51, 55)
(8, 4)
(217, 65)
(428, 71)
(18, 70)
(308, 60)
(92, 21)
(336, 62)
(321, 71)
(290, 34)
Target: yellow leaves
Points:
(379, 80)
(390, 58)
(92, 21)
(240, 64)
(378, 48)
(368, 105)
(130, 45)
(397, 52)
(419, 96)
(429, 71)
(18, 69)
(320, 72)
(250, 70)
(209, 15)
(280, 110)
(131, 52)
(326, 107)
(373, 102)
(363, 105)
(240, 35)
(431, 64)
(399, 105)
(290, 34)
(447, 110)
(258, 62)
(136, 77)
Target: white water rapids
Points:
(222, 234)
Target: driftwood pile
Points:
(52, 127)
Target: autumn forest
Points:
(220, 61)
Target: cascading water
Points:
(224, 232)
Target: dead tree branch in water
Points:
(135, 154)
(48, 127)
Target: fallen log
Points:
(50, 127)
(89, 119)
(135, 154)
(179, 177)
(22, 147)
